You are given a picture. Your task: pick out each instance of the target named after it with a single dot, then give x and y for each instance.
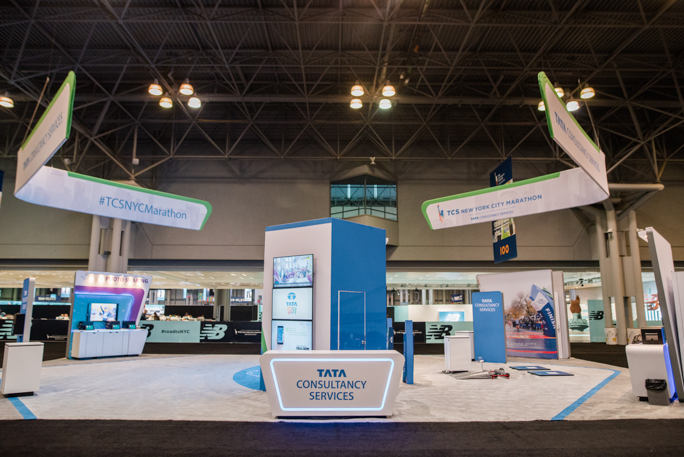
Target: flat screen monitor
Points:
(294, 271)
(100, 312)
(291, 335)
(293, 304)
(152, 309)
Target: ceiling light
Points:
(155, 88)
(355, 103)
(388, 91)
(541, 106)
(357, 90)
(587, 92)
(385, 103)
(194, 102)
(572, 105)
(559, 90)
(186, 88)
(165, 102)
(6, 101)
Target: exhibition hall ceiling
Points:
(273, 80)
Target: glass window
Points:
(363, 195)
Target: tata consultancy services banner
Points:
(56, 188)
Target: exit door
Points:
(351, 320)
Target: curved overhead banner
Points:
(62, 189)
(568, 189)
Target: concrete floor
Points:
(201, 387)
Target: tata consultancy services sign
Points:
(332, 383)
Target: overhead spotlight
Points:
(194, 102)
(155, 88)
(388, 90)
(541, 106)
(356, 103)
(166, 102)
(572, 105)
(135, 161)
(6, 101)
(186, 88)
(372, 160)
(559, 90)
(587, 92)
(385, 103)
(357, 90)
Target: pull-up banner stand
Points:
(46, 186)
(26, 309)
(576, 187)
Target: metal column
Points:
(616, 273)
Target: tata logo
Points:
(291, 296)
(213, 332)
(331, 374)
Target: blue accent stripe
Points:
(23, 410)
(273, 228)
(563, 414)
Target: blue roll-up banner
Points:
(408, 352)
(503, 230)
(488, 327)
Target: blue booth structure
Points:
(335, 302)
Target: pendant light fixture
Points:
(587, 92)
(559, 90)
(166, 102)
(357, 90)
(194, 102)
(356, 103)
(155, 88)
(6, 101)
(541, 106)
(186, 88)
(572, 105)
(388, 90)
(385, 103)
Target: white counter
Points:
(21, 368)
(332, 383)
(107, 343)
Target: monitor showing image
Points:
(291, 335)
(293, 304)
(100, 312)
(155, 309)
(294, 271)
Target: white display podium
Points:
(458, 352)
(107, 343)
(21, 368)
(648, 361)
(471, 334)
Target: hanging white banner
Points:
(61, 189)
(565, 131)
(566, 189)
(51, 131)
(85, 194)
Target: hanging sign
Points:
(568, 189)
(503, 230)
(47, 186)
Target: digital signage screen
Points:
(100, 312)
(291, 335)
(294, 271)
(293, 304)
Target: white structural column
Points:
(422, 297)
(606, 280)
(110, 241)
(636, 267)
(617, 276)
(431, 297)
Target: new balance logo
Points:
(6, 327)
(596, 315)
(213, 332)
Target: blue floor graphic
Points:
(249, 377)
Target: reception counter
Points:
(87, 344)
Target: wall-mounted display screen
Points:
(152, 309)
(294, 304)
(452, 316)
(100, 312)
(291, 335)
(294, 271)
